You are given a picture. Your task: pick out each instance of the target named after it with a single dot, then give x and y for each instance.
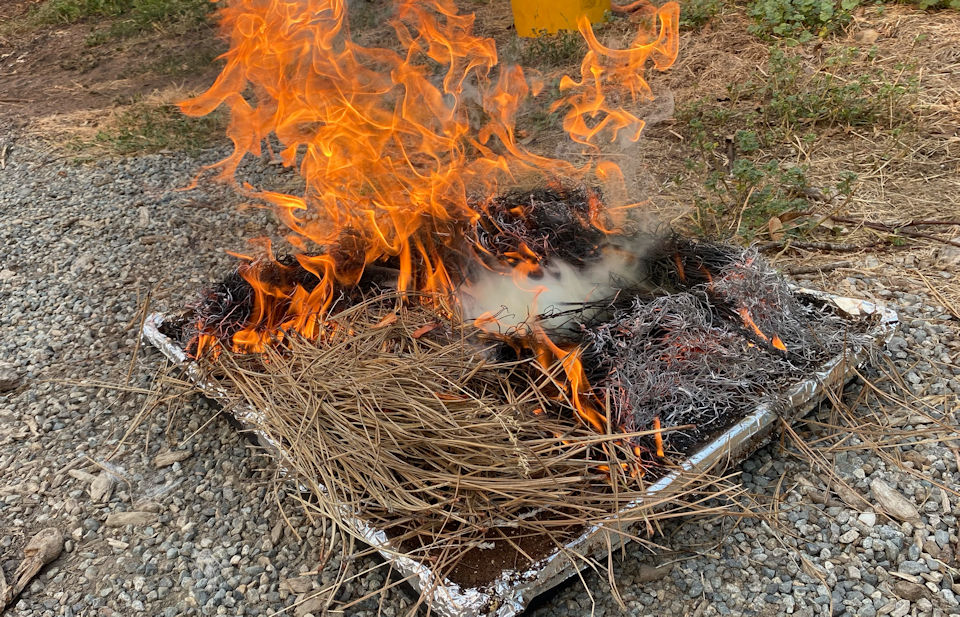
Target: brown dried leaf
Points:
(775, 225)
(386, 321)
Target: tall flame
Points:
(400, 146)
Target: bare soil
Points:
(55, 73)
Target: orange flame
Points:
(588, 98)
(750, 323)
(658, 436)
(393, 157)
(578, 386)
(386, 144)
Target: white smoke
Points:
(515, 301)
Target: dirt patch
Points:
(56, 71)
(15, 8)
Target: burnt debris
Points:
(556, 223)
(730, 334)
(708, 331)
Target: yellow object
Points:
(534, 17)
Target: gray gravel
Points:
(82, 245)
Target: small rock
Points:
(909, 591)
(276, 532)
(166, 459)
(648, 574)
(901, 608)
(120, 519)
(9, 379)
(942, 538)
(913, 567)
(949, 255)
(102, 487)
(892, 502)
(298, 585)
(867, 519)
(932, 548)
(850, 536)
(83, 476)
(148, 506)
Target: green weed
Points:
(694, 14)
(800, 19)
(753, 193)
(741, 184)
(795, 99)
(124, 18)
(553, 50)
(147, 128)
(185, 63)
(792, 97)
(803, 20)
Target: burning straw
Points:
(413, 424)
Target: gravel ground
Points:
(82, 245)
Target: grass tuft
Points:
(694, 14)
(553, 50)
(146, 127)
(121, 18)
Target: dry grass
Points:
(150, 124)
(430, 437)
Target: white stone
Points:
(901, 608)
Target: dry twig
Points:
(39, 551)
(432, 437)
(796, 270)
(896, 229)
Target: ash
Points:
(555, 223)
(689, 358)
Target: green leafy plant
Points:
(800, 19)
(754, 193)
(694, 14)
(795, 97)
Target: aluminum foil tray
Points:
(510, 593)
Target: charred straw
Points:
(691, 358)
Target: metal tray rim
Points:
(509, 594)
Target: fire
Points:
(394, 159)
(658, 436)
(752, 325)
(386, 146)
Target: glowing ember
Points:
(658, 436)
(752, 325)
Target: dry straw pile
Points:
(416, 426)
